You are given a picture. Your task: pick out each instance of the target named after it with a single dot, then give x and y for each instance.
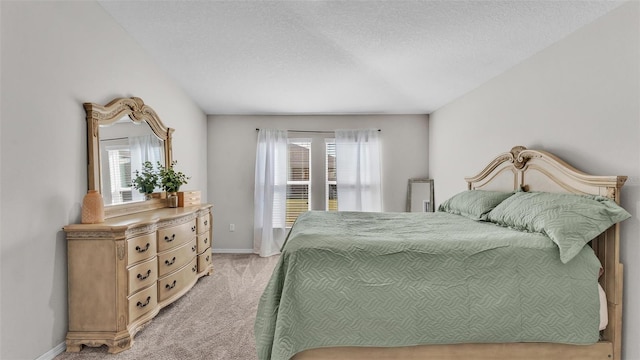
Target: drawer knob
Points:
(193, 228)
(169, 287)
(170, 239)
(141, 250)
(207, 259)
(141, 305)
(169, 263)
(143, 277)
(206, 222)
(193, 248)
(206, 240)
(194, 269)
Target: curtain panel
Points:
(144, 148)
(358, 170)
(270, 194)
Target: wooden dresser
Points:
(123, 271)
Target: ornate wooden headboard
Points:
(537, 170)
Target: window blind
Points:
(298, 178)
(331, 191)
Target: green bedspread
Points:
(400, 279)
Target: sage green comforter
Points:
(400, 279)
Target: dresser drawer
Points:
(175, 259)
(142, 275)
(204, 223)
(204, 260)
(204, 242)
(188, 198)
(174, 283)
(140, 248)
(143, 302)
(176, 235)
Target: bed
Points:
(461, 283)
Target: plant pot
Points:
(172, 199)
(159, 195)
(148, 196)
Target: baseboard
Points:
(232, 251)
(51, 354)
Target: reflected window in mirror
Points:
(116, 171)
(124, 147)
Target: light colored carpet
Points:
(213, 321)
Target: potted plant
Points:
(147, 180)
(170, 181)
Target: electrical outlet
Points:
(232, 227)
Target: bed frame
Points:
(529, 170)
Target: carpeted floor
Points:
(213, 321)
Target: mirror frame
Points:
(108, 114)
(409, 191)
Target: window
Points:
(311, 176)
(331, 189)
(298, 178)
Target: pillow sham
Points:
(570, 220)
(474, 204)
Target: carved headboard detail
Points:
(538, 170)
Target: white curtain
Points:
(144, 148)
(270, 195)
(358, 170)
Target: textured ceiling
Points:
(343, 57)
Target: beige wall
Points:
(55, 56)
(232, 153)
(579, 99)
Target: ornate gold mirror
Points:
(121, 136)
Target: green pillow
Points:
(570, 220)
(474, 204)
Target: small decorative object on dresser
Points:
(188, 198)
(92, 208)
(172, 199)
(171, 180)
(147, 180)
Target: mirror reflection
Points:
(124, 146)
(420, 195)
(121, 136)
